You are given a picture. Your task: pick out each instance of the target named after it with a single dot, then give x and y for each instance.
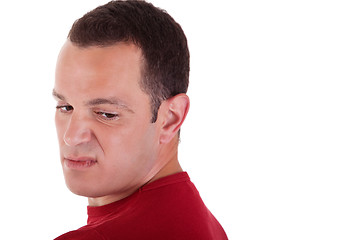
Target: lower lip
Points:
(79, 165)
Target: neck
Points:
(168, 160)
(167, 164)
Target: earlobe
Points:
(175, 111)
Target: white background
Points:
(272, 137)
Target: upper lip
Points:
(80, 159)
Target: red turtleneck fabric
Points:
(168, 208)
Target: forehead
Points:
(99, 71)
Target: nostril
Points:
(77, 134)
(67, 141)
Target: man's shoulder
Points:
(169, 208)
(172, 196)
(81, 234)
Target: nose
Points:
(77, 132)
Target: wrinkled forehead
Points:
(94, 69)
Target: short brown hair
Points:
(162, 41)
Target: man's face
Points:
(108, 145)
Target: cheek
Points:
(118, 142)
(60, 127)
(130, 144)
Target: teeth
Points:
(88, 163)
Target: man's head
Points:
(165, 54)
(120, 84)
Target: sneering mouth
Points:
(79, 163)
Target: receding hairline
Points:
(142, 60)
(102, 44)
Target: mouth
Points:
(79, 163)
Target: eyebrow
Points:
(57, 95)
(111, 101)
(99, 101)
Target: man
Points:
(120, 85)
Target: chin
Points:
(82, 189)
(78, 190)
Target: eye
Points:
(65, 108)
(107, 116)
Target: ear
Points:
(173, 112)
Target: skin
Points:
(103, 122)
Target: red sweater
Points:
(168, 208)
